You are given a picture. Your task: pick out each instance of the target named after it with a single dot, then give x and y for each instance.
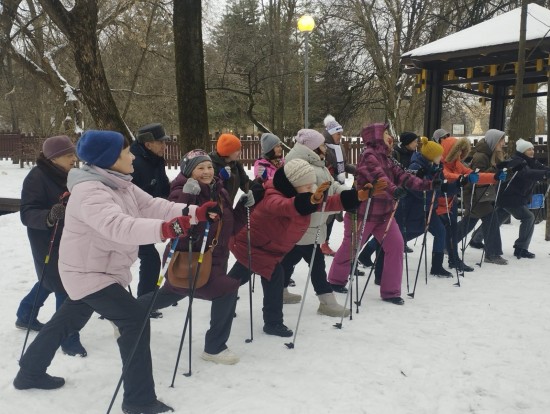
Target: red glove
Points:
(202, 212)
(176, 227)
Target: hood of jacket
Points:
(87, 172)
(306, 154)
(455, 148)
(483, 147)
(373, 137)
(281, 183)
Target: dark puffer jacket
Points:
(403, 155)
(42, 188)
(521, 186)
(238, 178)
(149, 171)
(219, 283)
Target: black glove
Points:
(399, 193)
(444, 187)
(462, 181)
(420, 173)
(437, 183)
(57, 212)
(516, 165)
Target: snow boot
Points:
(71, 346)
(462, 267)
(155, 314)
(290, 298)
(35, 325)
(408, 249)
(437, 266)
(396, 301)
(329, 307)
(499, 260)
(277, 329)
(339, 288)
(41, 381)
(226, 357)
(155, 407)
(523, 253)
(477, 245)
(326, 250)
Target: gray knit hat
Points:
(492, 137)
(299, 172)
(269, 141)
(191, 160)
(438, 134)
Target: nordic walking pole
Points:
(353, 248)
(62, 199)
(452, 245)
(190, 307)
(492, 219)
(145, 320)
(464, 244)
(249, 245)
(355, 261)
(290, 345)
(423, 250)
(392, 215)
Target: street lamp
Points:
(306, 24)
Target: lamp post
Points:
(306, 24)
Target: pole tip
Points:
(290, 345)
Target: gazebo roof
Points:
(489, 40)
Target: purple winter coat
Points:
(219, 283)
(375, 164)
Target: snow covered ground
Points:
(481, 348)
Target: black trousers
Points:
(117, 305)
(318, 272)
(222, 311)
(149, 268)
(273, 291)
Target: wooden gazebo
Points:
(482, 60)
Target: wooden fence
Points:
(24, 149)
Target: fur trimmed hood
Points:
(455, 148)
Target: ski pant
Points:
(25, 308)
(149, 268)
(330, 224)
(273, 291)
(117, 305)
(318, 271)
(490, 228)
(393, 261)
(451, 232)
(526, 228)
(222, 312)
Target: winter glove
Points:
(225, 173)
(191, 187)
(473, 177)
(436, 184)
(247, 199)
(378, 188)
(303, 205)
(421, 173)
(341, 178)
(444, 187)
(436, 169)
(176, 227)
(210, 207)
(317, 196)
(57, 212)
(399, 193)
(500, 175)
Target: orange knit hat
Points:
(227, 144)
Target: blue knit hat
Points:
(100, 148)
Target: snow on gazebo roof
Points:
(500, 30)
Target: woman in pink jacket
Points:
(107, 219)
(376, 164)
(272, 157)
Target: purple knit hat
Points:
(58, 146)
(310, 138)
(373, 134)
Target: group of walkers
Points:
(92, 223)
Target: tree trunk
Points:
(190, 85)
(547, 233)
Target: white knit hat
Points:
(299, 172)
(331, 125)
(310, 138)
(522, 145)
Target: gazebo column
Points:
(497, 118)
(434, 102)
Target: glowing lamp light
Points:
(306, 23)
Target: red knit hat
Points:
(227, 144)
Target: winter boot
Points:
(408, 249)
(477, 245)
(339, 288)
(155, 407)
(290, 298)
(499, 260)
(365, 257)
(523, 253)
(41, 381)
(396, 301)
(277, 329)
(437, 266)
(155, 314)
(462, 267)
(328, 306)
(34, 325)
(226, 357)
(326, 250)
(359, 272)
(71, 346)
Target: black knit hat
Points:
(407, 137)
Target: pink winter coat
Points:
(375, 164)
(268, 166)
(106, 220)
